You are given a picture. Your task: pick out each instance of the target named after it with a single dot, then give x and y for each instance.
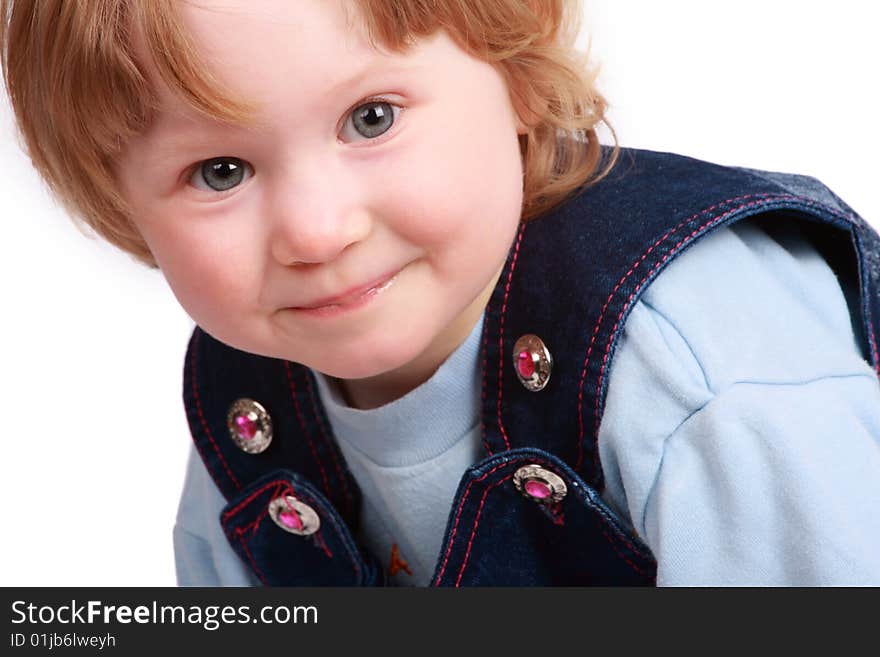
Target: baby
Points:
(412, 266)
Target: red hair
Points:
(79, 92)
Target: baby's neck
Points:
(373, 392)
(365, 394)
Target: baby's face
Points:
(363, 223)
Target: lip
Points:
(350, 299)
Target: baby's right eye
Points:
(220, 174)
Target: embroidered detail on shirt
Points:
(397, 563)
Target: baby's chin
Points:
(363, 355)
(358, 366)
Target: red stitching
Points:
(250, 557)
(638, 287)
(611, 540)
(869, 316)
(458, 517)
(620, 554)
(876, 354)
(204, 422)
(638, 262)
(557, 514)
(282, 488)
(254, 525)
(319, 539)
(522, 231)
(762, 197)
(250, 498)
(485, 348)
(874, 344)
(327, 439)
(302, 422)
(467, 552)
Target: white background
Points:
(92, 344)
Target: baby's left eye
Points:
(369, 120)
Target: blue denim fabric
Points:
(571, 277)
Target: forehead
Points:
(249, 45)
(276, 55)
(241, 41)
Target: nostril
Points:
(300, 244)
(303, 266)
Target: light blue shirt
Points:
(408, 457)
(740, 439)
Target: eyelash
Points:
(397, 110)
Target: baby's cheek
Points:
(452, 197)
(214, 285)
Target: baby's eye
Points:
(220, 173)
(369, 120)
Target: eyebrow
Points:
(167, 140)
(374, 68)
(167, 144)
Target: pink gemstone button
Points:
(532, 362)
(539, 484)
(291, 519)
(247, 428)
(294, 516)
(538, 489)
(250, 426)
(525, 364)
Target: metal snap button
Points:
(249, 425)
(293, 516)
(539, 484)
(532, 362)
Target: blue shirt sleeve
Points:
(741, 434)
(202, 554)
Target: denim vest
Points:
(571, 277)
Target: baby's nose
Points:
(315, 224)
